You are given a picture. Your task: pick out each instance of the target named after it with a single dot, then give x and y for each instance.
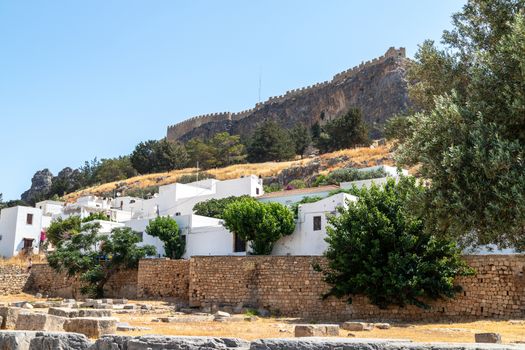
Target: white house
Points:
(309, 235)
(20, 230)
(179, 199)
(203, 236)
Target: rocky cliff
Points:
(377, 87)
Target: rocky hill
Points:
(378, 87)
(280, 172)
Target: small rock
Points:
(352, 335)
(27, 306)
(487, 338)
(222, 314)
(38, 295)
(251, 318)
(316, 330)
(357, 326)
(382, 325)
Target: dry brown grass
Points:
(22, 260)
(364, 156)
(283, 327)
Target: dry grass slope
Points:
(363, 156)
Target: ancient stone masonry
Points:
(45, 280)
(378, 87)
(290, 286)
(163, 278)
(12, 279)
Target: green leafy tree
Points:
(158, 156)
(63, 229)
(301, 138)
(468, 136)
(347, 175)
(219, 151)
(214, 208)
(167, 230)
(379, 249)
(114, 169)
(93, 258)
(262, 224)
(345, 131)
(270, 142)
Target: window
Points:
(317, 223)
(257, 191)
(183, 239)
(140, 235)
(29, 219)
(239, 245)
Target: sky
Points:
(86, 79)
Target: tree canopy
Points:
(219, 151)
(270, 142)
(214, 208)
(262, 224)
(379, 249)
(158, 156)
(468, 136)
(93, 258)
(345, 131)
(167, 230)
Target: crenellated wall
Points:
(178, 130)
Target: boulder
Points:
(9, 316)
(34, 340)
(357, 326)
(157, 342)
(316, 330)
(93, 327)
(70, 313)
(39, 322)
(487, 338)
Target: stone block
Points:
(316, 330)
(158, 342)
(357, 326)
(35, 340)
(382, 325)
(9, 316)
(28, 321)
(487, 338)
(70, 313)
(120, 301)
(93, 327)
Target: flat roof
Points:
(300, 191)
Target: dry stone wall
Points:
(45, 280)
(13, 279)
(290, 286)
(163, 278)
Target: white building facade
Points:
(20, 230)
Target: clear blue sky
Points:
(85, 79)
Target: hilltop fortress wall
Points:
(177, 131)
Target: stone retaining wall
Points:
(45, 280)
(289, 285)
(163, 278)
(13, 279)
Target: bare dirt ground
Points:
(271, 327)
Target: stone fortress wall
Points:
(176, 131)
(287, 285)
